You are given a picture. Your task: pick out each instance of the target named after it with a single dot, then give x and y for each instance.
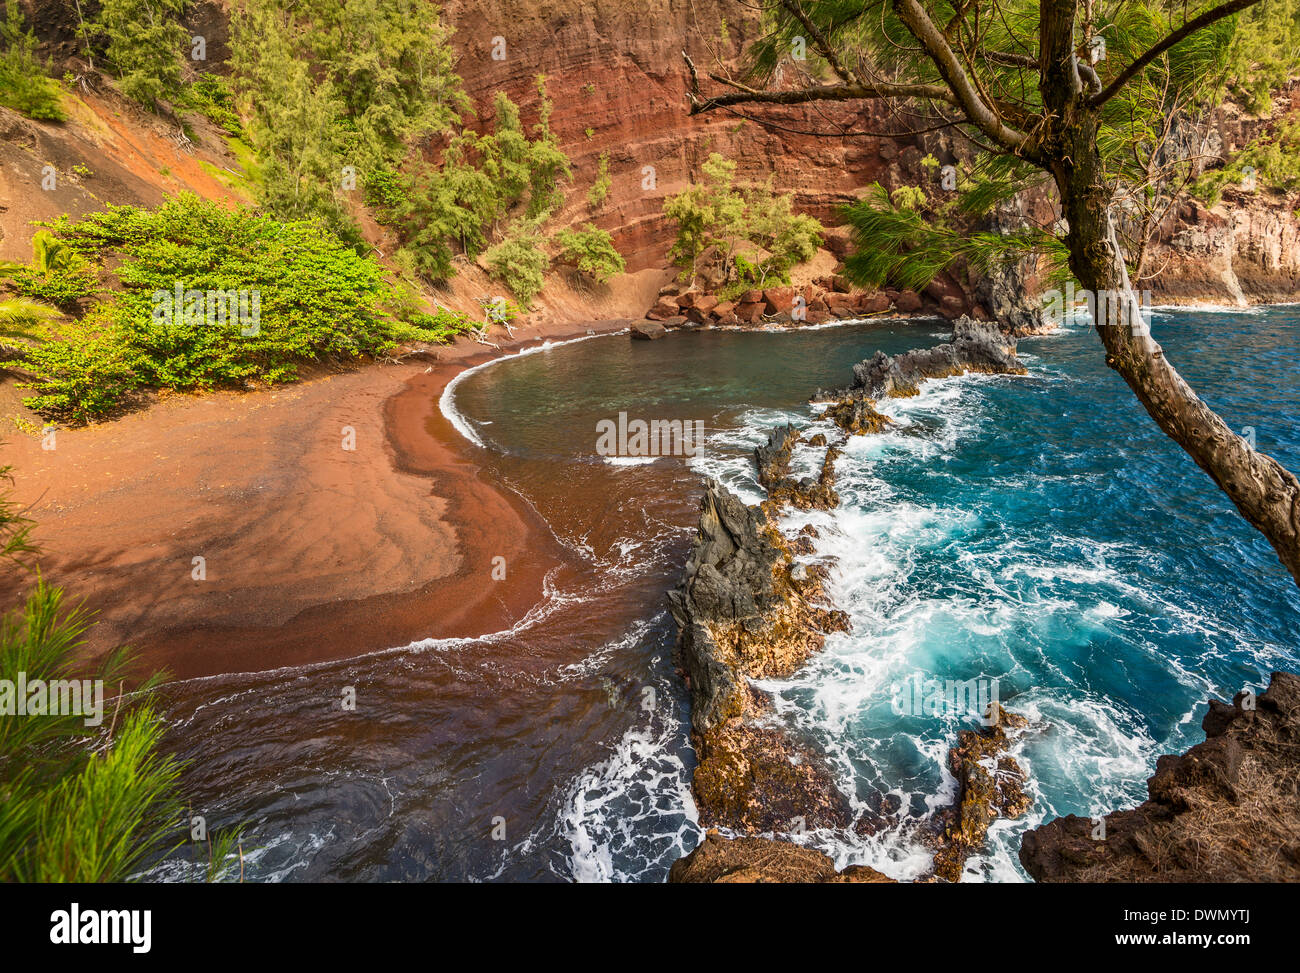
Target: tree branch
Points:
(802, 96)
(980, 113)
(1189, 28)
(819, 40)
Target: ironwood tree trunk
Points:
(1266, 494)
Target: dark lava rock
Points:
(773, 463)
(1228, 810)
(975, 346)
(744, 610)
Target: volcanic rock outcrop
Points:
(745, 610)
(975, 346)
(808, 493)
(991, 785)
(1227, 810)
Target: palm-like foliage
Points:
(866, 45)
(79, 803)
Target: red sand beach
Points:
(311, 551)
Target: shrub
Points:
(520, 260)
(213, 98)
(599, 191)
(316, 299)
(24, 82)
(716, 213)
(592, 252)
(145, 41)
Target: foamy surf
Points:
(447, 401)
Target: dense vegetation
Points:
(458, 206)
(313, 297)
(1264, 53)
(25, 85)
(591, 252)
(339, 102)
(754, 233)
(145, 42)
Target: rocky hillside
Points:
(619, 83)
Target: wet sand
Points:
(310, 551)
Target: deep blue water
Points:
(1038, 531)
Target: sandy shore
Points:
(310, 551)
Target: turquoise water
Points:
(1038, 531)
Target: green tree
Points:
(337, 91)
(1022, 80)
(25, 85)
(1265, 52)
(591, 251)
(716, 214)
(392, 66)
(145, 45)
(520, 260)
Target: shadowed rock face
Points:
(975, 346)
(1228, 810)
(760, 861)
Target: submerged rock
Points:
(1228, 810)
(975, 346)
(719, 860)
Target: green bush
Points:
(79, 803)
(592, 252)
(520, 260)
(212, 97)
(145, 43)
(715, 213)
(314, 298)
(599, 191)
(25, 85)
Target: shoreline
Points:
(392, 543)
(122, 509)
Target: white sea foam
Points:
(447, 401)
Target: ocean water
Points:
(1037, 533)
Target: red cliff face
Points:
(616, 74)
(618, 82)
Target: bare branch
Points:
(802, 96)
